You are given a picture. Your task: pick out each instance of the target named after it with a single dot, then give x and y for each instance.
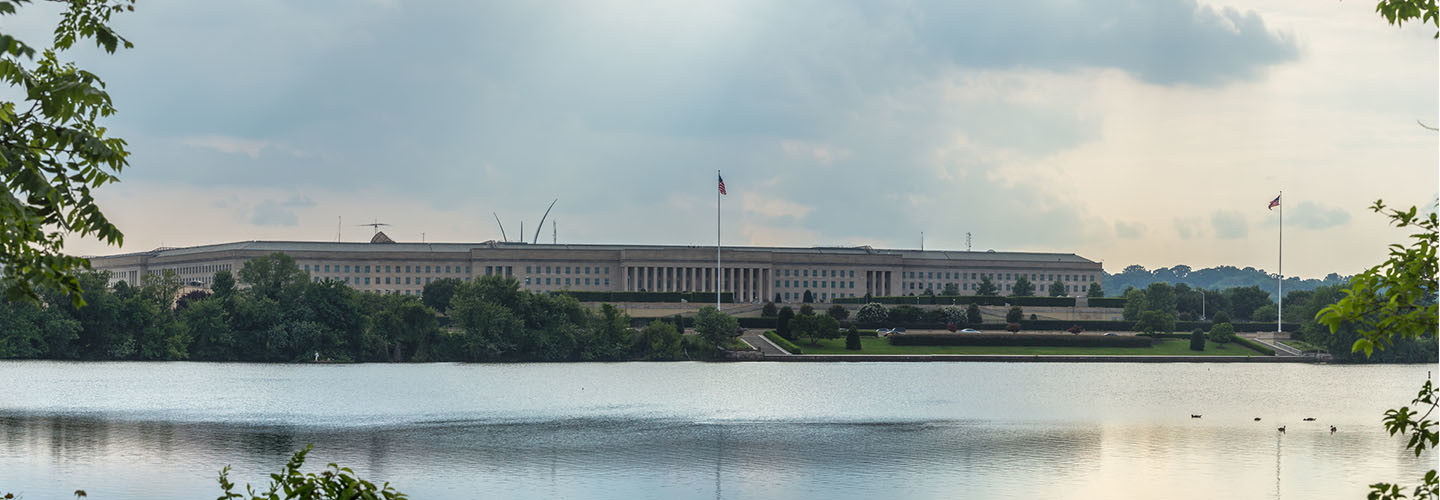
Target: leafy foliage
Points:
(1197, 340)
(1396, 301)
(986, 287)
(782, 321)
(1014, 315)
(54, 152)
(1222, 333)
(816, 327)
(872, 313)
(1057, 289)
(838, 312)
(1022, 287)
(334, 483)
(852, 339)
(718, 328)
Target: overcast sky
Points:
(1130, 132)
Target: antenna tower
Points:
(967, 241)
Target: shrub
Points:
(972, 314)
(906, 314)
(1262, 348)
(1197, 340)
(816, 327)
(838, 312)
(769, 310)
(1015, 315)
(872, 313)
(951, 326)
(335, 482)
(806, 309)
(987, 339)
(782, 322)
(1013, 327)
(1033, 317)
(852, 340)
(1075, 329)
(1222, 333)
(787, 345)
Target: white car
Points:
(883, 331)
(1109, 334)
(969, 330)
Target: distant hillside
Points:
(1212, 278)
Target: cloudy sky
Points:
(1132, 132)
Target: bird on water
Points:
(1281, 429)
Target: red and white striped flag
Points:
(722, 184)
(1273, 203)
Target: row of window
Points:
(818, 284)
(578, 281)
(822, 296)
(365, 280)
(913, 285)
(945, 275)
(565, 270)
(346, 268)
(818, 273)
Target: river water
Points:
(712, 430)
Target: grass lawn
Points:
(1164, 347)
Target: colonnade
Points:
(749, 284)
(877, 283)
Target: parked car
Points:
(897, 331)
(883, 331)
(969, 330)
(1109, 334)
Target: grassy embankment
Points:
(1164, 347)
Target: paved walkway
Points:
(758, 341)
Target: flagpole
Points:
(717, 242)
(1280, 287)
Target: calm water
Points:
(693, 430)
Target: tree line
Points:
(271, 311)
(1219, 277)
(1156, 307)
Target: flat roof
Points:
(328, 246)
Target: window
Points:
(527, 281)
(327, 268)
(427, 269)
(587, 280)
(567, 271)
(547, 269)
(547, 281)
(387, 280)
(567, 280)
(607, 280)
(804, 272)
(367, 280)
(407, 280)
(527, 269)
(367, 269)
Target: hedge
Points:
(1116, 302)
(944, 339)
(1264, 349)
(1089, 326)
(783, 343)
(696, 297)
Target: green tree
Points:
(223, 284)
(1222, 333)
(718, 328)
(852, 339)
(1023, 287)
(437, 294)
(1243, 301)
(987, 287)
(806, 310)
(808, 297)
(1057, 289)
(1154, 322)
(1095, 290)
(768, 310)
(816, 327)
(1197, 340)
(782, 322)
(1265, 313)
(838, 312)
(951, 289)
(206, 325)
(55, 152)
(952, 314)
(872, 314)
(274, 276)
(1014, 315)
(1161, 297)
(1393, 301)
(972, 315)
(1135, 303)
(906, 314)
(1220, 316)
(659, 341)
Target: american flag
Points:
(722, 185)
(1273, 203)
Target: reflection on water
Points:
(941, 440)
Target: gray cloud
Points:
(272, 213)
(1229, 225)
(1129, 230)
(512, 104)
(1315, 215)
(1187, 228)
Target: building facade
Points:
(753, 274)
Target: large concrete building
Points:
(752, 273)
